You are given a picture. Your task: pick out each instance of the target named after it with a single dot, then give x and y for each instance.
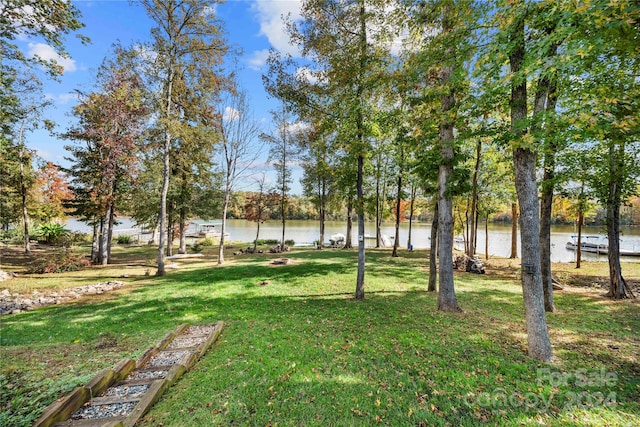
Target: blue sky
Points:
(252, 25)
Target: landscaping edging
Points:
(121, 395)
(17, 303)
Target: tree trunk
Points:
(514, 231)
(579, 248)
(446, 296)
(170, 235)
(433, 270)
(378, 214)
(546, 204)
(103, 259)
(486, 237)
(165, 177)
(396, 241)
(182, 224)
(545, 100)
(255, 242)
(411, 211)
(473, 237)
(361, 253)
(322, 223)
(110, 232)
(225, 207)
(95, 244)
(616, 281)
(348, 243)
(23, 196)
(539, 345)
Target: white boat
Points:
(596, 245)
(207, 229)
(337, 240)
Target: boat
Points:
(207, 230)
(337, 240)
(596, 245)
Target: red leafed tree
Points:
(51, 192)
(111, 120)
(258, 206)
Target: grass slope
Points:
(301, 351)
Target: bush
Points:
(262, 242)
(59, 262)
(79, 238)
(208, 241)
(124, 239)
(289, 242)
(53, 234)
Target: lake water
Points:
(305, 232)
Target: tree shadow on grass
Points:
(283, 353)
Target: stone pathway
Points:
(118, 397)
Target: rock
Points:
(16, 303)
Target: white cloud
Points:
(258, 59)
(296, 128)
(47, 53)
(270, 15)
(230, 114)
(307, 75)
(62, 98)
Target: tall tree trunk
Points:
(617, 283)
(446, 296)
(170, 236)
(225, 207)
(103, 258)
(579, 247)
(361, 253)
(25, 214)
(322, 210)
(255, 242)
(486, 237)
(165, 177)
(182, 248)
(23, 194)
(539, 345)
(545, 100)
(378, 213)
(110, 232)
(514, 231)
(348, 243)
(396, 241)
(284, 223)
(433, 270)
(411, 212)
(95, 244)
(474, 202)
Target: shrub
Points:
(59, 262)
(208, 241)
(53, 234)
(124, 239)
(262, 242)
(289, 242)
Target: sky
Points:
(254, 26)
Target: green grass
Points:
(302, 351)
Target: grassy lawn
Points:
(301, 351)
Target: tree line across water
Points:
(468, 103)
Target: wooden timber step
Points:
(120, 396)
